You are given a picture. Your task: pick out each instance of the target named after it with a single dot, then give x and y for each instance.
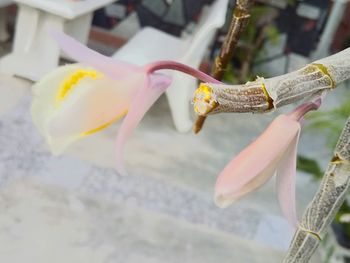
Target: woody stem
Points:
(239, 21)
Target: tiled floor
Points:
(47, 224)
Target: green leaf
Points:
(309, 166)
(330, 122)
(229, 75)
(291, 2)
(273, 34)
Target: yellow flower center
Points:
(70, 83)
(72, 80)
(203, 99)
(204, 92)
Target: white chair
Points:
(3, 31)
(34, 52)
(150, 44)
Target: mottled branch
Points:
(321, 211)
(263, 95)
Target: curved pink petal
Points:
(253, 166)
(144, 99)
(113, 68)
(285, 182)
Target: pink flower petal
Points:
(113, 68)
(144, 99)
(285, 182)
(253, 166)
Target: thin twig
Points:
(239, 21)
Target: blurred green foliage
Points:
(273, 34)
(257, 14)
(291, 2)
(330, 122)
(230, 75)
(345, 227)
(309, 166)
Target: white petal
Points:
(91, 104)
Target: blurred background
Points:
(77, 208)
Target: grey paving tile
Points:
(47, 224)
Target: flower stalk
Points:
(159, 65)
